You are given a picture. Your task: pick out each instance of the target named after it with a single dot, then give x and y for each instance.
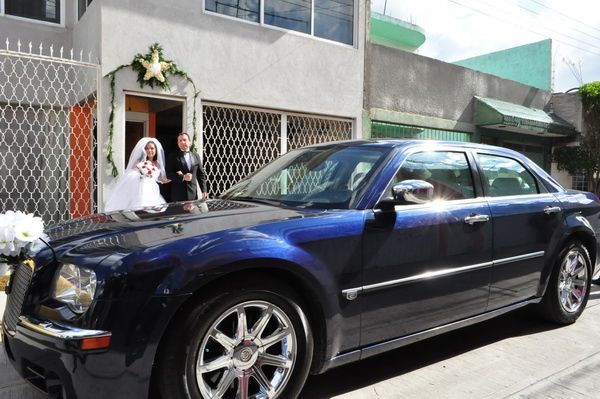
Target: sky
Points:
(459, 29)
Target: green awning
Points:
(502, 115)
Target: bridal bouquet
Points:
(147, 169)
(19, 233)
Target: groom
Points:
(185, 171)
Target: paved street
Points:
(514, 356)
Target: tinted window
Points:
(506, 176)
(244, 9)
(288, 14)
(448, 172)
(322, 177)
(334, 20)
(43, 10)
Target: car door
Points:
(428, 264)
(524, 218)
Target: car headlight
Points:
(75, 287)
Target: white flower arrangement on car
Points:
(147, 169)
(18, 233)
(20, 236)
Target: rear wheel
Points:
(246, 343)
(569, 286)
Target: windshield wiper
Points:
(255, 199)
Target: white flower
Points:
(17, 229)
(29, 228)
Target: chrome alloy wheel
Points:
(248, 352)
(572, 281)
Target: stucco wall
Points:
(568, 106)
(27, 30)
(230, 61)
(237, 62)
(410, 84)
(86, 32)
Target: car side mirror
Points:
(413, 192)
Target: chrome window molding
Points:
(351, 293)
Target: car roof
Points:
(407, 143)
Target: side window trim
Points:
(540, 188)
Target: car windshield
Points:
(329, 177)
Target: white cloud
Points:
(458, 29)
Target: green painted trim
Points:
(395, 33)
(391, 130)
(405, 118)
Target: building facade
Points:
(264, 77)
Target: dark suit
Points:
(182, 190)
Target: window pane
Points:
(288, 14)
(244, 9)
(448, 172)
(334, 20)
(506, 176)
(43, 10)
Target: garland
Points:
(152, 70)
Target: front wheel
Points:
(252, 343)
(569, 286)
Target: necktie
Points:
(188, 160)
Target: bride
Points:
(137, 186)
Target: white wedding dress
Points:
(131, 190)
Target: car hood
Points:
(124, 231)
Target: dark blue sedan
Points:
(328, 255)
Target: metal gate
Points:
(239, 140)
(47, 132)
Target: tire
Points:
(569, 286)
(252, 339)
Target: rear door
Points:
(524, 219)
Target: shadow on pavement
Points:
(412, 357)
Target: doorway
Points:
(158, 117)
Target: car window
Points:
(506, 176)
(447, 171)
(320, 177)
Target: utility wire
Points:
(555, 31)
(580, 31)
(564, 15)
(521, 27)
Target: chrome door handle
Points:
(549, 210)
(476, 219)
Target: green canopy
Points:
(507, 116)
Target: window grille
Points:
(47, 135)
(237, 141)
(579, 182)
(306, 130)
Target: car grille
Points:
(18, 288)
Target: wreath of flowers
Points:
(153, 69)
